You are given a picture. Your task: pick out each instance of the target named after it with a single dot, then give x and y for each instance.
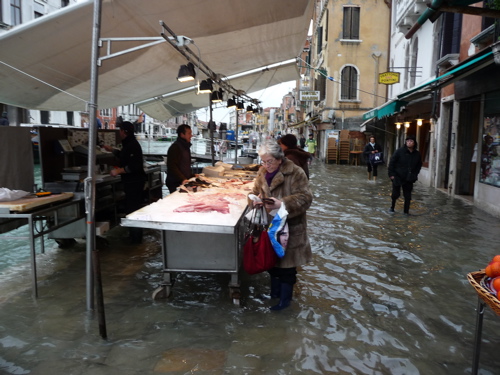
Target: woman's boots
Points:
(285, 295)
(275, 287)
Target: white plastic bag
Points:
(7, 195)
(256, 216)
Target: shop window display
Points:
(490, 150)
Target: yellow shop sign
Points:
(388, 78)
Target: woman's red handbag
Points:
(258, 254)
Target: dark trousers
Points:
(372, 167)
(134, 200)
(396, 192)
(285, 275)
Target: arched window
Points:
(349, 83)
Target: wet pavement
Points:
(385, 294)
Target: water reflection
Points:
(386, 294)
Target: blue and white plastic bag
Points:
(278, 231)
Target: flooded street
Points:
(385, 294)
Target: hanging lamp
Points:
(186, 73)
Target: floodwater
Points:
(385, 294)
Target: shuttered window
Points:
(349, 83)
(351, 23)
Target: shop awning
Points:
(462, 70)
(437, 7)
(386, 109)
(305, 123)
(43, 70)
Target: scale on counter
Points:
(74, 173)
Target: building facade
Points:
(345, 60)
(448, 96)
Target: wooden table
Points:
(54, 211)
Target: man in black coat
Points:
(131, 170)
(403, 169)
(179, 159)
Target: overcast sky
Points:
(270, 97)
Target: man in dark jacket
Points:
(131, 170)
(404, 168)
(179, 159)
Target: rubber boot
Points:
(406, 208)
(369, 175)
(275, 287)
(285, 297)
(393, 204)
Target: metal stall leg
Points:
(477, 339)
(234, 284)
(33, 257)
(165, 288)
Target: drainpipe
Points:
(433, 8)
(376, 57)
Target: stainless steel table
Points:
(196, 241)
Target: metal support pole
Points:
(477, 339)
(210, 123)
(90, 180)
(236, 138)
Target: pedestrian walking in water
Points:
(370, 149)
(311, 147)
(283, 182)
(403, 169)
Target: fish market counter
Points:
(201, 231)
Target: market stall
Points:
(201, 229)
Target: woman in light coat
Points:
(285, 183)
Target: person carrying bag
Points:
(373, 156)
(258, 252)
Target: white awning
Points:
(53, 53)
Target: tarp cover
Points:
(233, 36)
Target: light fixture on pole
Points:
(407, 124)
(398, 125)
(186, 73)
(250, 109)
(419, 121)
(241, 106)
